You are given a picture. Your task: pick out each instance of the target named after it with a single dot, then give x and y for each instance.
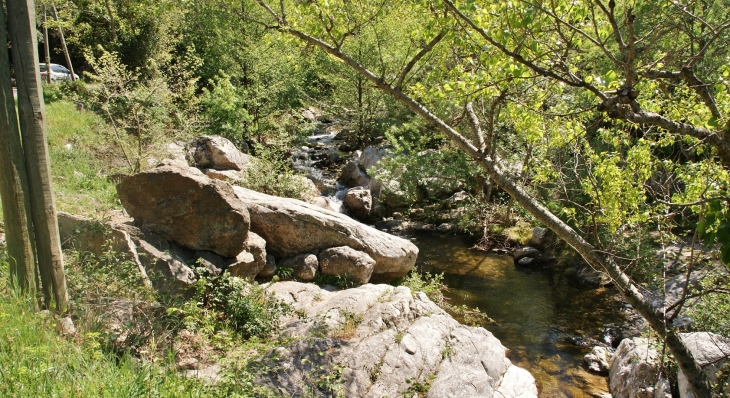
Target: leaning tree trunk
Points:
(63, 43)
(14, 183)
(22, 28)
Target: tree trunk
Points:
(63, 43)
(46, 49)
(14, 183)
(22, 28)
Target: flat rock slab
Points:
(291, 227)
(383, 341)
(181, 204)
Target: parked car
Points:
(58, 72)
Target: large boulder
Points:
(183, 205)
(384, 341)
(160, 264)
(291, 227)
(634, 370)
(370, 156)
(218, 153)
(346, 262)
(711, 351)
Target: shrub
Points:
(230, 302)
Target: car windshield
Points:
(59, 68)
(43, 68)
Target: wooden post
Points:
(31, 110)
(63, 43)
(14, 182)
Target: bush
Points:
(230, 302)
(272, 174)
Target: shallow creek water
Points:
(539, 314)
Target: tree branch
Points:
(425, 50)
(476, 127)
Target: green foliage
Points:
(229, 302)
(143, 111)
(715, 227)
(432, 285)
(711, 312)
(419, 174)
(91, 277)
(272, 174)
(342, 282)
(225, 109)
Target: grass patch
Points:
(78, 166)
(37, 361)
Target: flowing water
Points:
(541, 317)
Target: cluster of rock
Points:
(178, 209)
(384, 341)
(634, 367)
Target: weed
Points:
(284, 273)
(227, 301)
(448, 350)
(399, 336)
(432, 285)
(350, 322)
(418, 388)
(339, 281)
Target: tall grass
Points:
(36, 361)
(79, 166)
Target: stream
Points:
(540, 316)
(547, 321)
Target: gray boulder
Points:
(291, 227)
(346, 262)
(269, 269)
(634, 370)
(160, 264)
(598, 361)
(251, 260)
(370, 156)
(218, 153)
(352, 175)
(183, 205)
(538, 236)
(359, 203)
(525, 252)
(711, 351)
(382, 340)
(304, 266)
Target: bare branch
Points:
(614, 25)
(697, 203)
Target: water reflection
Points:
(539, 313)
